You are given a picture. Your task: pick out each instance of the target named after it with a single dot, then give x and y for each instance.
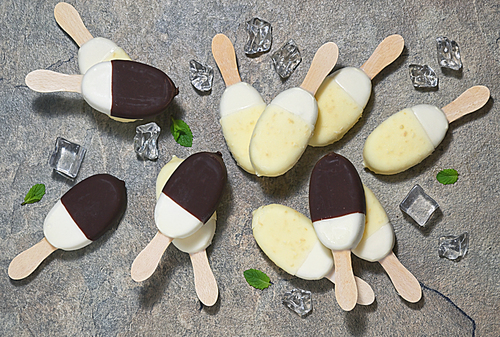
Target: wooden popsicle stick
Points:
(49, 81)
(405, 283)
(471, 100)
(146, 262)
(366, 296)
(346, 291)
(70, 21)
(323, 62)
(204, 280)
(225, 57)
(386, 52)
(26, 262)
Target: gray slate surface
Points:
(90, 292)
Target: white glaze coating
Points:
(319, 261)
(299, 102)
(99, 50)
(341, 233)
(356, 83)
(433, 121)
(376, 246)
(61, 230)
(96, 87)
(200, 240)
(237, 97)
(173, 220)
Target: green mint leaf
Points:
(447, 176)
(35, 194)
(257, 279)
(181, 132)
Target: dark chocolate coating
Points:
(197, 184)
(96, 204)
(139, 90)
(335, 189)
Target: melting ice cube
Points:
(67, 158)
(299, 301)
(448, 53)
(423, 76)
(286, 59)
(260, 36)
(201, 75)
(145, 140)
(453, 247)
(418, 205)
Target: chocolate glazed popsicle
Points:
(338, 207)
(188, 200)
(80, 217)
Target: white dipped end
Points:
(239, 96)
(356, 83)
(341, 233)
(96, 87)
(98, 50)
(299, 102)
(62, 231)
(318, 262)
(433, 121)
(376, 246)
(165, 174)
(200, 240)
(173, 220)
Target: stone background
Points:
(90, 291)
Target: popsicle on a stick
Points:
(240, 106)
(187, 201)
(81, 216)
(92, 50)
(287, 237)
(409, 136)
(338, 207)
(344, 94)
(376, 245)
(283, 130)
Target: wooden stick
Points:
(405, 283)
(387, 52)
(471, 100)
(26, 262)
(366, 296)
(346, 291)
(225, 57)
(323, 62)
(147, 261)
(204, 280)
(70, 21)
(50, 81)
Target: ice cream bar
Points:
(343, 95)
(80, 217)
(120, 89)
(191, 195)
(240, 106)
(92, 50)
(287, 237)
(283, 130)
(409, 136)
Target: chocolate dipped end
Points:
(197, 184)
(96, 204)
(335, 189)
(139, 90)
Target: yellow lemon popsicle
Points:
(405, 139)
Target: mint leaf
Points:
(257, 279)
(35, 194)
(181, 132)
(447, 176)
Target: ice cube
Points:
(260, 36)
(201, 75)
(418, 205)
(448, 53)
(299, 301)
(453, 247)
(67, 158)
(286, 59)
(145, 140)
(423, 76)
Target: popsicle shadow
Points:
(53, 105)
